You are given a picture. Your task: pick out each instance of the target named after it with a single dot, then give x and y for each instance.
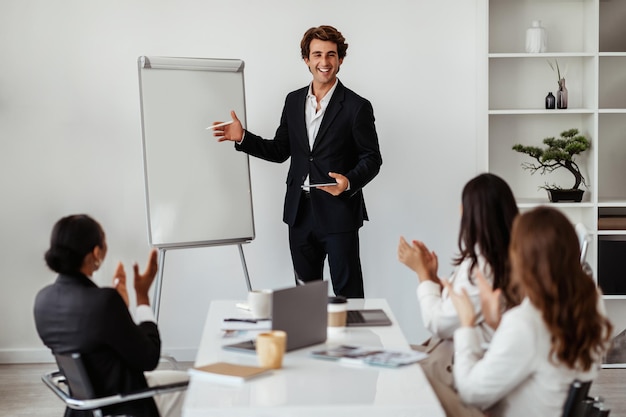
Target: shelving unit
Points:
(588, 39)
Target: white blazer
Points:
(438, 312)
(515, 378)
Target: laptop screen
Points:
(301, 311)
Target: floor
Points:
(23, 394)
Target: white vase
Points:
(536, 38)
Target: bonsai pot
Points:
(557, 195)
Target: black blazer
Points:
(346, 143)
(75, 315)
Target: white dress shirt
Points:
(515, 377)
(313, 117)
(438, 312)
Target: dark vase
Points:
(561, 95)
(550, 100)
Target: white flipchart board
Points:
(198, 190)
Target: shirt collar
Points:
(328, 95)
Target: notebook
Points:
(228, 372)
(371, 317)
(300, 311)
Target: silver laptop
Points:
(301, 312)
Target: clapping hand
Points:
(420, 259)
(119, 282)
(144, 280)
(142, 283)
(490, 300)
(462, 304)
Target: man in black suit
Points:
(329, 133)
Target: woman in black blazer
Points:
(75, 315)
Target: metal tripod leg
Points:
(156, 305)
(245, 267)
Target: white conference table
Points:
(307, 387)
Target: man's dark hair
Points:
(323, 33)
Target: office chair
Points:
(72, 385)
(575, 402)
(584, 238)
(579, 404)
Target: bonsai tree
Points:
(558, 154)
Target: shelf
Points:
(612, 220)
(611, 264)
(508, 21)
(592, 59)
(516, 83)
(531, 203)
(543, 55)
(612, 31)
(612, 111)
(614, 297)
(611, 232)
(612, 54)
(541, 111)
(506, 130)
(612, 83)
(611, 151)
(612, 202)
(613, 365)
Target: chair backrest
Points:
(72, 366)
(575, 402)
(583, 238)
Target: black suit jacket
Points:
(346, 143)
(75, 315)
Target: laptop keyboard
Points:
(355, 317)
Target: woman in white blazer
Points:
(487, 212)
(557, 334)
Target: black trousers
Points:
(309, 248)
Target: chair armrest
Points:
(54, 379)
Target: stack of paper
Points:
(370, 355)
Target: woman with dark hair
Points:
(75, 315)
(557, 334)
(488, 209)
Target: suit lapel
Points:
(333, 109)
(299, 117)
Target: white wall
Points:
(71, 139)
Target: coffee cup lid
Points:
(337, 300)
